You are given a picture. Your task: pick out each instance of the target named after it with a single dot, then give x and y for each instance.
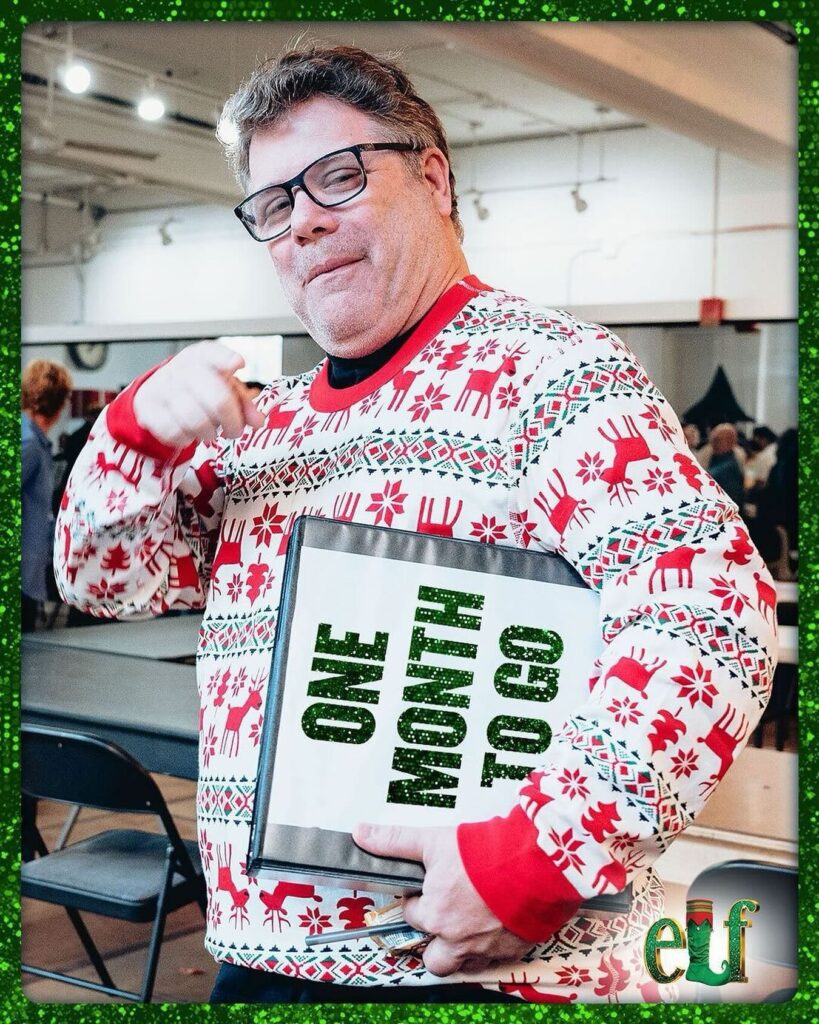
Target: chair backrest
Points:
(76, 768)
(774, 886)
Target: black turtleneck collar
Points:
(343, 373)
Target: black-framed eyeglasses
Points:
(333, 179)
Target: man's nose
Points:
(308, 219)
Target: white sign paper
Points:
(334, 785)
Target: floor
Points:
(186, 972)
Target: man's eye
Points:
(275, 207)
(341, 177)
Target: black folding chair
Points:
(128, 874)
(775, 887)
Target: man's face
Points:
(352, 273)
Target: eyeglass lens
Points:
(330, 181)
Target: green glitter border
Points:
(14, 1007)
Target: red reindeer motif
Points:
(277, 423)
(630, 670)
(337, 420)
(629, 446)
(678, 560)
(346, 505)
(229, 551)
(132, 474)
(289, 523)
(765, 599)
(442, 527)
(724, 743)
(534, 794)
(402, 382)
(566, 510)
(482, 382)
(613, 874)
(235, 716)
(225, 883)
(275, 914)
(527, 990)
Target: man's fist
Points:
(467, 935)
(194, 395)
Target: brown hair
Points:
(45, 387)
(375, 85)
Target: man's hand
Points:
(467, 935)
(194, 395)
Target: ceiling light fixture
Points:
(580, 203)
(151, 107)
(164, 235)
(74, 75)
(480, 209)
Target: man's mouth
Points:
(329, 266)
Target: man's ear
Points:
(435, 169)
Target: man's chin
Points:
(341, 334)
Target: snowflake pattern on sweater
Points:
(498, 422)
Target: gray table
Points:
(157, 639)
(149, 707)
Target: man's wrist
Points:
(125, 428)
(514, 877)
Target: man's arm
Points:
(140, 516)
(687, 617)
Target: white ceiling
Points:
(725, 84)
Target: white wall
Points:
(644, 238)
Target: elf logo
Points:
(699, 925)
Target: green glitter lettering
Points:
(519, 735)
(351, 646)
(530, 690)
(439, 690)
(448, 729)
(654, 944)
(494, 769)
(454, 648)
(449, 614)
(548, 650)
(317, 723)
(736, 925)
(418, 790)
(346, 675)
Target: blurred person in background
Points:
(724, 465)
(46, 386)
(763, 451)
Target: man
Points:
(540, 432)
(724, 467)
(46, 386)
(762, 458)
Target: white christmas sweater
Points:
(495, 421)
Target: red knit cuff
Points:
(514, 877)
(124, 428)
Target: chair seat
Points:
(126, 867)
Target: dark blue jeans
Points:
(247, 985)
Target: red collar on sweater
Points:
(323, 398)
